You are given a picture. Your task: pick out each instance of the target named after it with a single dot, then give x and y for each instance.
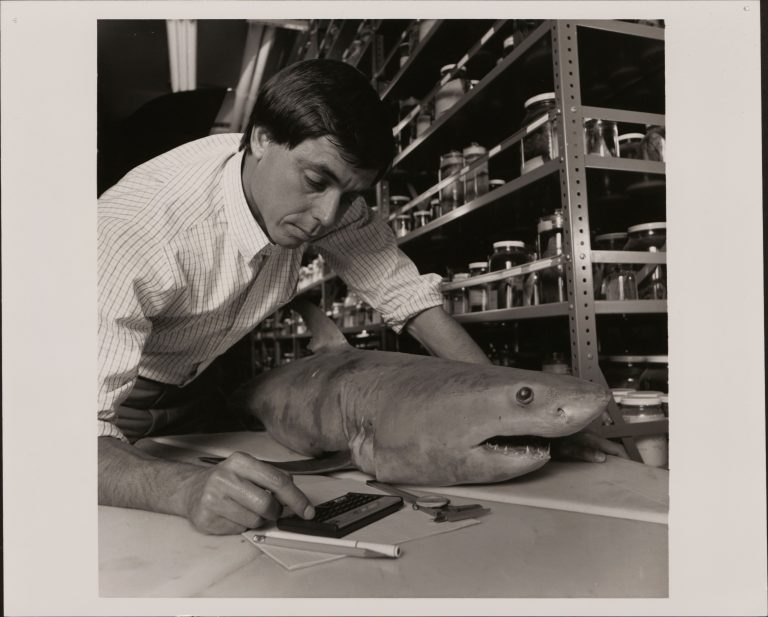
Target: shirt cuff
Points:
(425, 296)
(107, 429)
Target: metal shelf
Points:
(510, 187)
(622, 27)
(555, 309)
(629, 257)
(457, 111)
(629, 307)
(623, 115)
(500, 275)
(617, 164)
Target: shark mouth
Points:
(518, 445)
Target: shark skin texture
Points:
(412, 419)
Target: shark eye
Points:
(524, 395)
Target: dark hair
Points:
(325, 98)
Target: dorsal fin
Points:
(325, 333)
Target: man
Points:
(199, 245)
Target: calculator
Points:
(338, 517)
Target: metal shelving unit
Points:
(559, 45)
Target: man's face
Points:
(299, 194)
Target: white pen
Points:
(322, 544)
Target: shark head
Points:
(499, 430)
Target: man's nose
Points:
(327, 207)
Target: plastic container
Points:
(540, 144)
(651, 280)
(460, 296)
(654, 143)
(421, 218)
(403, 225)
(475, 181)
(478, 294)
(508, 254)
(654, 449)
(451, 195)
(451, 91)
(630, 145)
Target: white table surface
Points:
(570, 530)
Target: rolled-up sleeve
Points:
(134, 282)
(363, 251)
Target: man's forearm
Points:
(131, 478)
(443, 336)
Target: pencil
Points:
(321, 544)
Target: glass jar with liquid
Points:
(654, 449)
(452, 90)
(508, 254)
(651, 279)
(549, 241)
(460, 296)
(403, 225)
(451, 195)
(476, 180)
(478, 294)
(630, 145)
(601, 137)
(539, 145)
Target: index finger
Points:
(274, 480)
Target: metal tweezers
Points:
(437, 506)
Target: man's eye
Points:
(315, 184)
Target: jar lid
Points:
(338, 304)
(461, 276)
(478, 264)
(497, 182)
(647, 393)
(626, 359)
(633, 400)
(646, 227)
(657, 359)
(665, 398)
(447, 68)
(403, 216)
(474, 148)
(627, 136)
(450, 155)
(619, 235)
(400, 198)
(544, 96)
(434, 200)
(509, 244)
(622, 391)
(509, 41)
(421, 213)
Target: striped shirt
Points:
(185, 271)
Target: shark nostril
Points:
(561, 412)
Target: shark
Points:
(414, 419)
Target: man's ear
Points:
(259, 141)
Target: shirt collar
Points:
(248, 234)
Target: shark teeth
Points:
(538, 449)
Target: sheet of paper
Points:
(403, 526)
